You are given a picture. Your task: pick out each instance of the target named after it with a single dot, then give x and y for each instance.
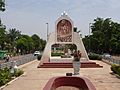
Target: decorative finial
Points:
(64, 13)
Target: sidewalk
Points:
(35, 78)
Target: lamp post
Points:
(47, 25)
(89, 35)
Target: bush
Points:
(19, 72)
(5, 76)
(57, 54)
(94, 56)
(115, 69)
(118, 72)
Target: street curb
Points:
(115, 75)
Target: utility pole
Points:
(47, 25)
(89, 36)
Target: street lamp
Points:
(47, 30)
(89, 35)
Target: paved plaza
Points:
(35, 78)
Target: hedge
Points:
(57, 54)
(94, 56)
(115, 69)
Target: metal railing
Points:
(19, 61)
(112, 61)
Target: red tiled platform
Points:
(84, 64)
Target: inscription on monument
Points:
(64, 31)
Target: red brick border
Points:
(78, 82)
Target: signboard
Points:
(64, 31)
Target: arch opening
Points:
(63, 50)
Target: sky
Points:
(31, 16)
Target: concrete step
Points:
(69, 65)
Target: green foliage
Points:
(12, 36)
(115, 69)
(18, 72)
(94, 56)
(5, 76)
(118, 71)
(21, 44)
(3, 38)
(39, 44)
(2, 5)
(15, 42)
(57, 54)
(105, 37)
(36, 41)
(25, 44)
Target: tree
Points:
(21, 45)
(101, 30)
(2, 36)
(13, 35)
(36, 40)
(105, 36)
(25, 44)
(2, 5)
(42, 44)
(2, 27)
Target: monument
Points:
(62, 36)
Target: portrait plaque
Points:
(64, 31)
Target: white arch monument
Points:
(64, 34)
